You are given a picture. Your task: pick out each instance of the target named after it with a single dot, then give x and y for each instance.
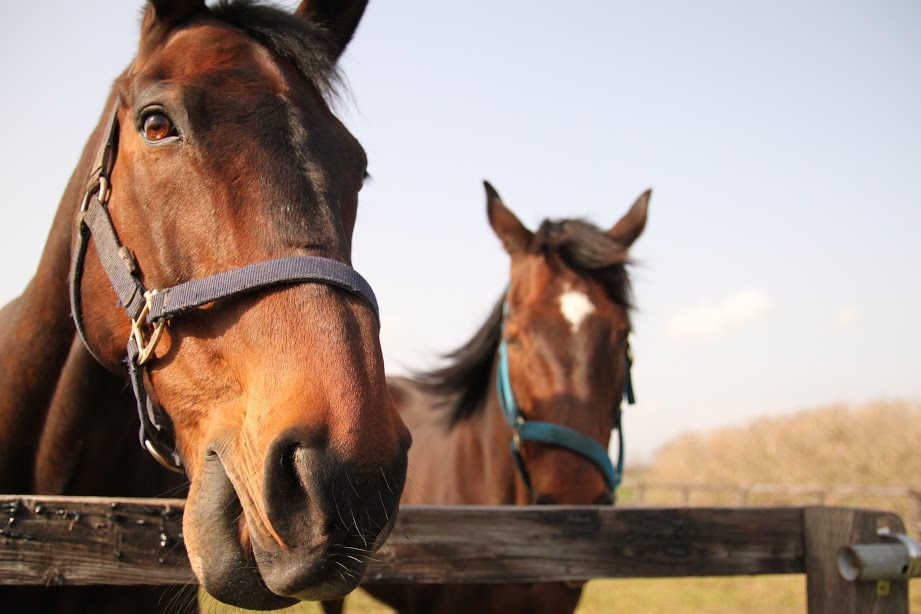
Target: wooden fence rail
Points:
(744, 494)
(53, 541)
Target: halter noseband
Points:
(149, 310)
(558, 434)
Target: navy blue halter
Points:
(149, 310)
(558, 434)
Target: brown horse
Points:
(208, 224)
(546, 372)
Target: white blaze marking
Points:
(575, 306)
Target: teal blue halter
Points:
(557, 434)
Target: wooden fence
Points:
(54, 541)
(904, 499)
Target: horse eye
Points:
(158, 127)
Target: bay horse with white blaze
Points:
(523, 413)
(197, 278)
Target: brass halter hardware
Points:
(158, 456)
(146, 349)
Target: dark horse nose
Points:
(307, 479)
(313, 495)
(309, 475)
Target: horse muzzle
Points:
(308, 536)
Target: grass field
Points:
(873, 445)
(748, 595)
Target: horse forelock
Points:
(588, 251)
(302, 43)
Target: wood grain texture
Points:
(58, 540)
(46, 540)
(533, 544)
(97, 541)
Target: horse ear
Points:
(631, 225)
(339, 17)
(159, 15)
(513, 234)
(168, 11)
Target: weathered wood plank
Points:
(51, 541)
(46, 540)
(530, 544)
(825, 531)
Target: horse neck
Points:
(482, 445)
(88, 444)
(36, 332)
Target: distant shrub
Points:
(874, 445)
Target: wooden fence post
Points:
(825, 530)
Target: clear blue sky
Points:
(779, 269)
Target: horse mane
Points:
(300, 41)
(462, 384)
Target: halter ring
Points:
(145, 349)
(160, 458)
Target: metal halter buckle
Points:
(145, 349)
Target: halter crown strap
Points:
(628, 378)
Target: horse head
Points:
(564, 359)
(220, 152)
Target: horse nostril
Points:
(284, 470)
(545, 500)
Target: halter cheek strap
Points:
(557, 434)
(149, 310)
